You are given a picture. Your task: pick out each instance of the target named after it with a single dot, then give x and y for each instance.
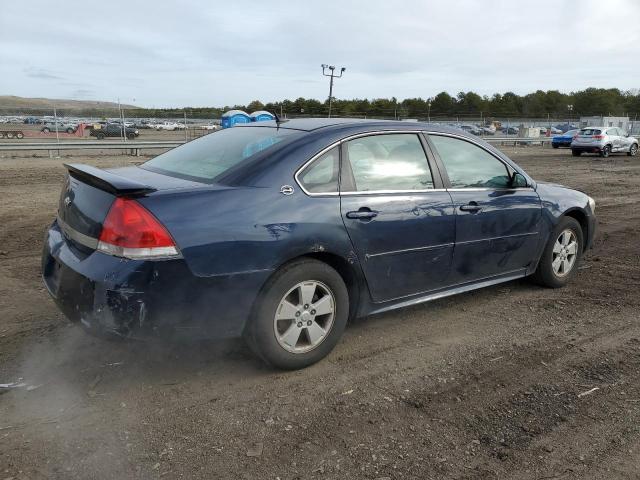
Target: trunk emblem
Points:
(286, 189)
(67, 201)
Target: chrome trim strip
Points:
(496, 238)
(409, 250)
(307, 163)
(76, 236)
(403, 192)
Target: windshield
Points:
(209, 157)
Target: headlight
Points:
(592, 204)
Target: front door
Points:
(398, 216)
(497, 221)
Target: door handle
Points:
(362, 214)
(472, 207)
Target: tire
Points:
(9, 134)
(319, 281)
(70, 130)
(633, 150)
(546, 274)
(606, 151)
(555, 145)
(45, 130)
(1, 134)
(100, 136)
(131, 136)
(576, 153)
(19, 135)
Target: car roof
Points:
(328, 124)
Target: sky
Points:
(203, 53)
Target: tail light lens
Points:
(598, 137)
(131, 231)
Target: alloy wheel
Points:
(304, 316)
(565, 252)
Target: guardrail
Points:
(133, 145)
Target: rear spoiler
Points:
(107, 181)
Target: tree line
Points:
(539, 104)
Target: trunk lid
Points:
(89, 192)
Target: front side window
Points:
(394, 162)
(322, 175)
(211, 156)
(469, 166)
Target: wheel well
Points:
(582, 220)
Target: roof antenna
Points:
(278, 120)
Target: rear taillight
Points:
(131, 231)
(598, 137)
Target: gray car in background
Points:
(604, 141)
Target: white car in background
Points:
(167, 126)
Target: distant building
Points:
(600, 121)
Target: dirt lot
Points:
(489, 384)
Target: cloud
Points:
(199, 53)
(40, 73)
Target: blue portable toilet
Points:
(262, 116)
(234, 117)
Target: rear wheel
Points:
(100, 136)
(300, 316)
(69, 130)
(45, 130)
(9, 134)
(633, 150)
(606, 151)
(131, 136)
(555, 145)
(576, 153)
(559, 261)
(19, 135)
(1, 134)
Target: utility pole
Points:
(331, 75)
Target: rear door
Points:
(615, 138)
(398, 216)
(497, 224)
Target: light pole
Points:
(331, 75)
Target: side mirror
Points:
(518, 180)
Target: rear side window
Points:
(469, 166)
(394, 162)
(211, 156)
(323, 174)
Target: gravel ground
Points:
(513, 381)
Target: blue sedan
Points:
(564, 140)
(281, 232)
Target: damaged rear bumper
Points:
(137, 299)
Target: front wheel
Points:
(555, 145)
(559, 261)
(606, 151)
(131, 136)
(576, 153)
(100, 136)
(633, 150)
(300, 316)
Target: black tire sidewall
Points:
(100, 136)
(261, 337)
(544, 274)
(606, 151)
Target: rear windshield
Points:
(590, 131)
(209, 157)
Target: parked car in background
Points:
(340, 218)
(565, 127)
(604, 141)
(470, 129)
(551, 130)
(61, 127)
(564, 139)
(209, 126)
(510, 131)
(167, 126)
(488, 130)
(113, 130)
